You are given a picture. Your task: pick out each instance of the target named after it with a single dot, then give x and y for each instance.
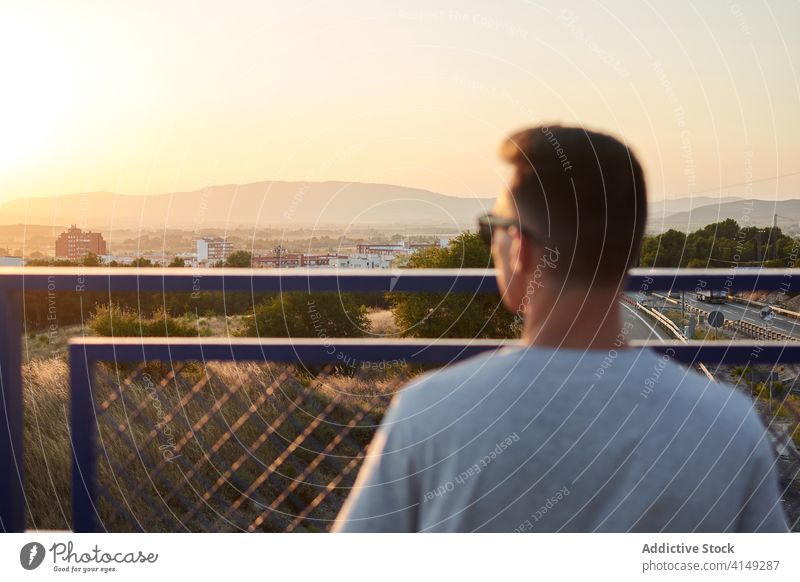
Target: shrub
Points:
(112, 320)
(299, 314)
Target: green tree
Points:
(721, 244)
(141, 262)
(177, 262)
(239, 259)
(664, 250)
(453, 314)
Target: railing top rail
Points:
(93, 341)
(331, 350)
(308, 350)
(192, 280)
(377, 280)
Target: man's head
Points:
(577, 208)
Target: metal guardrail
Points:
(670, 326)
(15, 281)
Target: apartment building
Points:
(75, 244)
(212, 249)
(290, 260)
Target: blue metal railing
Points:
(84, 353)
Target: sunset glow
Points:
(106, 96)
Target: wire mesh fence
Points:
(212, 445)
(222, 446)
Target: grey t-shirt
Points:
(539, 439)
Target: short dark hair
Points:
(584, 193)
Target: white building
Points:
(211, 249)
(189, 259)
(365, 261)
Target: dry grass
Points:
(47, 446)
(205, 448)
(383, 323)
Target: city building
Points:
(402, 248)
(75, 244)
(212, 249)
(290, 260)
(367, 256)
(382, 256)
(366, 261)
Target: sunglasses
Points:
(488, 223)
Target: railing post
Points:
(12, 473)
(83, 436)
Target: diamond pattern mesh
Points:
(213, 446)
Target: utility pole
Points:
(683, 306)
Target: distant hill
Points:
(257, 204)
(672, 205)
(328, 204)
(750, 212)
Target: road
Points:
(740, 311)
(643, 328)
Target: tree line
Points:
(722, 244)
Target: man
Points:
(572, 430)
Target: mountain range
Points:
(258, 204)
(342, 205)
(745, 211)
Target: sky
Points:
(151, 97)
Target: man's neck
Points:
(574, 318)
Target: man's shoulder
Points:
(469, 382)
(451, 389)
(457, 377)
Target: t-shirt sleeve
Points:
(384, 497)
(762, 510)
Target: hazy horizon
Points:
(108, 98)
(725, 192)
(729, 192)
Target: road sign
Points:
(716, 319)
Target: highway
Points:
(643, 328)
(740, 311)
